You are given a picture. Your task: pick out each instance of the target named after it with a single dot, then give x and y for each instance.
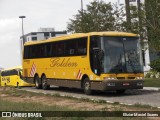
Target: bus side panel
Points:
(58, 68)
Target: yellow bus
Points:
(13, 77)
(90, 61)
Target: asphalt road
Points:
(130, 97)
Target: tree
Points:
(99, 16)
(119, 15)
(153, 23)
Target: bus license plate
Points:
(125, 84)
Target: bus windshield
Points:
(121, 55)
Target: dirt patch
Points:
(52, 101)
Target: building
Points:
(42, 34)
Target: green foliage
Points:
(102, 16)
(155, 65)
(148, 75)
(152, 74)
(153, 23)
(99, 16)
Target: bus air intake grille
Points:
(120, 78)
(131, 77)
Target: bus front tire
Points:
(38, 82)
(87, 86)
(45, 86)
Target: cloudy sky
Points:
(39, 13)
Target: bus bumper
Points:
(109, 85)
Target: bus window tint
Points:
(48, 50)
(71, 47)
(9, 72)
(82, 46)
(60, 48)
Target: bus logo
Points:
(6, 114)
(33, 70)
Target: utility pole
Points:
(82, 16)
(140, 19)
(128, 16)
(82, 6)
(22, 17)
(23, 39)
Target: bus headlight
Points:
(139, 78)
(139, 84)
(110, 78)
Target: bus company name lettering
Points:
(7, 79)
(57, 62)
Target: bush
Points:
(152, 74)
(155, 65)
(148, 75)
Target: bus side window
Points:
(82, 46)
(48, 51)
(26, 48)
(70, 47)
(60, 48)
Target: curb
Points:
(151, 88)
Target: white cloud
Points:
(8, 30)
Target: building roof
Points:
(54, 32)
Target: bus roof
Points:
(80, 35)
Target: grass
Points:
(151, 82)
(27, 106)
(8, 105)
(32, 106)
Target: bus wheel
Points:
(37, 82)
(45, 86)
(120, 91)
(87, 86)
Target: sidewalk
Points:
(152, 88)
